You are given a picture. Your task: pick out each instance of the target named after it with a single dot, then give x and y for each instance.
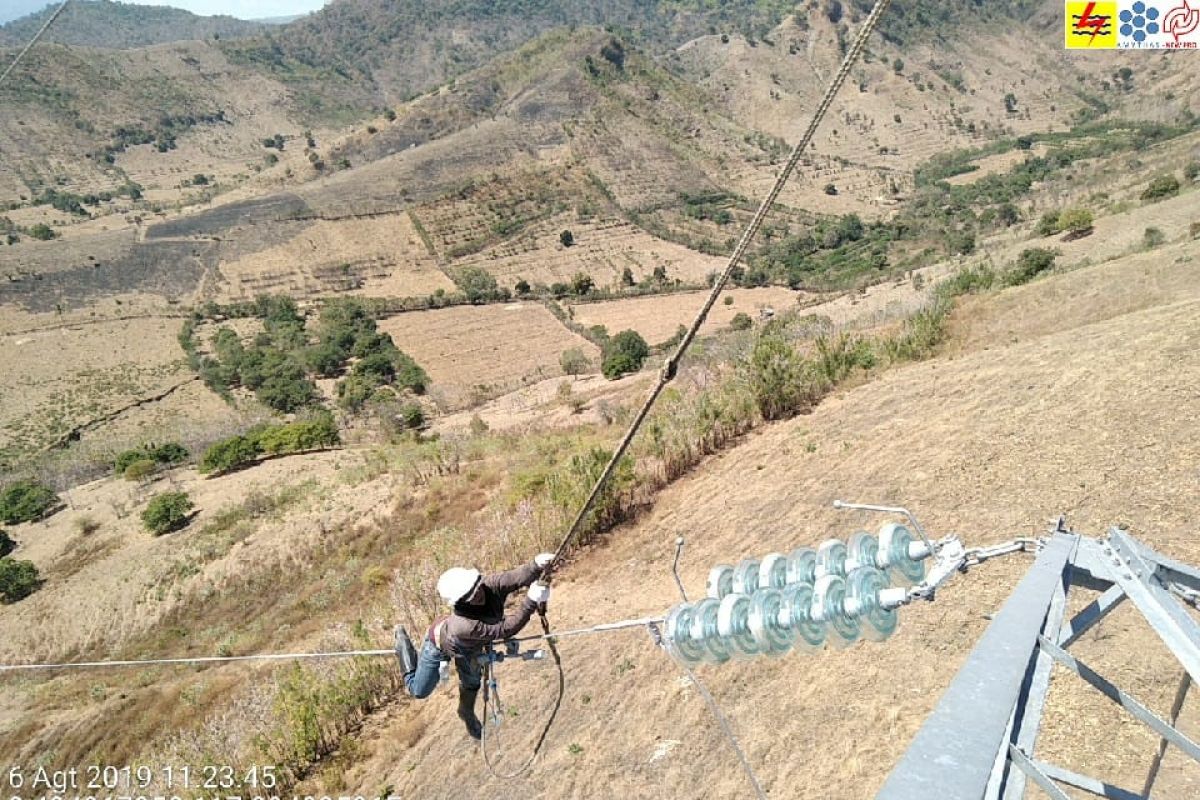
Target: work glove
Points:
(539, 593)
(542, 559)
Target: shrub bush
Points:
(741, 321)
(162, 454)
(1160, 187)
(1048, 224)
(139, 470)
(42, 232)
(167, 512)
(1076, 222)
(1153, 237)
(7, 545)
(624, 353)
(776, 375)
(229, 454)
(313, 433)
(412, 416)
(1030, 263)
(969, 281)
(18, 579)
(86, 525)
(574, 362)
(26, 501)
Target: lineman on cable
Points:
(477, 620)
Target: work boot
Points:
(405, 652)
(466, 711)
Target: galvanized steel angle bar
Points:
(1027, 715)
(1031, 770)
(1095, 611)
(1170, 620)
(1121, 698)
(1085, 782)
(953, 753)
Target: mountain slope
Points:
(103, 23)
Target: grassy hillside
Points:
(103, 23)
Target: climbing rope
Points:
(34, 40)
(489, 682)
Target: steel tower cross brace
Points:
(978, 744)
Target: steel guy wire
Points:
(546, 636)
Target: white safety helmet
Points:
(456, 583)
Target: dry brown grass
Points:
(991, 443)
(473, 353)
(372, 257)
(656, 318)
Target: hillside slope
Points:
(105, 23)
(1079, 419)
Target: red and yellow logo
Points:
(1091, 24)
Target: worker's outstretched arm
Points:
(474, 634)
(508, 582)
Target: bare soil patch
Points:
(656, 318)
(475, 352)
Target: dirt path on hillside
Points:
(1082, 417)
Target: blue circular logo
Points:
(1138, 21)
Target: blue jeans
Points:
(424, 679)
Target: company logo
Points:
(1181, 21)
(1132, 24)
(1090, 24)
(1139, 22)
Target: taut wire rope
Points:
(45, 27)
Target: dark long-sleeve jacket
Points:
(471, 627)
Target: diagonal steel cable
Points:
(672, 366)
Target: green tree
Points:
(581, 284)
(42, 232)
(574, 362)
(830, 189)
(167, 512)
(7, 545)
(26, 501)
(898, 66)
(287, 392)
(614, 53)
(627, 277)
(1010, 103)
(1007, 215)
(477, 284)
(1076, 221)
(624, 353)
(567, 238)
(18, 579)
(412, 416)
(229, 454)
(521, 287)
(741, 321)
(1160, 187)
(1048, 224)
